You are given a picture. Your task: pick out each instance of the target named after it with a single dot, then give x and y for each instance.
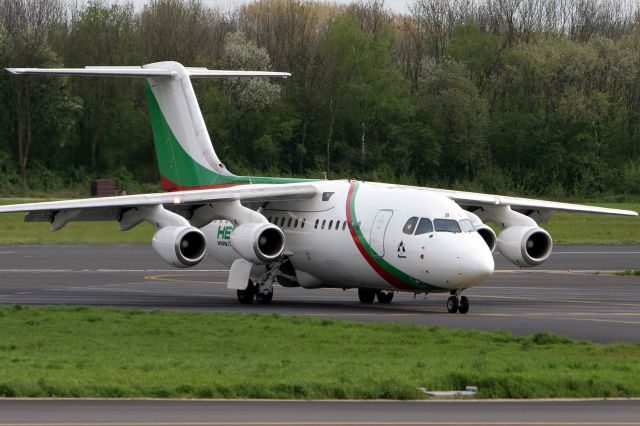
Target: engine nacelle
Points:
(488, 235)
(180, 246)
(259, 243)
(525, 246)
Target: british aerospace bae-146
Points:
(379, 238)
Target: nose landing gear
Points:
(455, 304)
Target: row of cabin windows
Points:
(290, 222)
(295, 222)
(419, 226)
(334, 225)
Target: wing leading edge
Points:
(478, 200)
(182, 202)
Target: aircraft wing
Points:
(542, 209)
(181, 202)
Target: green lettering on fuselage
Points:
(224, 232)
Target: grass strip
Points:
(98, 352)
(576, 228)
(631, 272)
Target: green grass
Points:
(565, 228)
(631, 272)
(73, 352)
(13, 230)
(574, 228)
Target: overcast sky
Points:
(399, 6)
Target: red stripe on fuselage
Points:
(386, 275)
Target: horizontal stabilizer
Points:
(155, 72)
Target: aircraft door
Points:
(378, 230)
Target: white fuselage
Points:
(356, 234)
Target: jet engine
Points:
(259, 243)
(180, 246)
(488, 236)
(525, 246)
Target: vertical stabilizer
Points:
(186, 157)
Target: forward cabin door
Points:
(378, 230)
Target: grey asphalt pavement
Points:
(201, 413)
(572, 294)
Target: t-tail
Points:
(185, 154)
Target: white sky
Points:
(398, 6)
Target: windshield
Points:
(447, 225)
(410, 226)
(466, 225)
(424, 226)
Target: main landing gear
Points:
(368, 295)
(262, 295)
(455, 304)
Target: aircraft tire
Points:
(384, 296)
(264, 298)
(463, 307)
(452, 304)
(366, 295)
(245, 297)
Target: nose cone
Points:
(476, 265)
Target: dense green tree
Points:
(534, 96)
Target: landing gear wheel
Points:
(366, 295)
(384, 296)
(463, 307)
(452, 304)
(245, 297)
(264, 297)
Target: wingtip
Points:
(14, 70)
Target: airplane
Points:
(379, 238)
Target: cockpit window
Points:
(410, 226)
(466, 225)
(446, 225)
(424, 226)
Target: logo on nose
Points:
(402, 251)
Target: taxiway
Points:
(573, 294)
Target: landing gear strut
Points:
(262, 296)
(262, 288)
(455, 304)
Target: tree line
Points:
(528, 96)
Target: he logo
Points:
(224, 232)
(402, 251)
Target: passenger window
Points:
(302, 224)
(295, 224)
(282, 222)
(289, 222)
(344, 225)
(330, 224)
(337, 224)
(324, 222)
(269, 219)
(317, 222)
(446, 225)
(466, 225)
(424, 226)
(410, 226)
